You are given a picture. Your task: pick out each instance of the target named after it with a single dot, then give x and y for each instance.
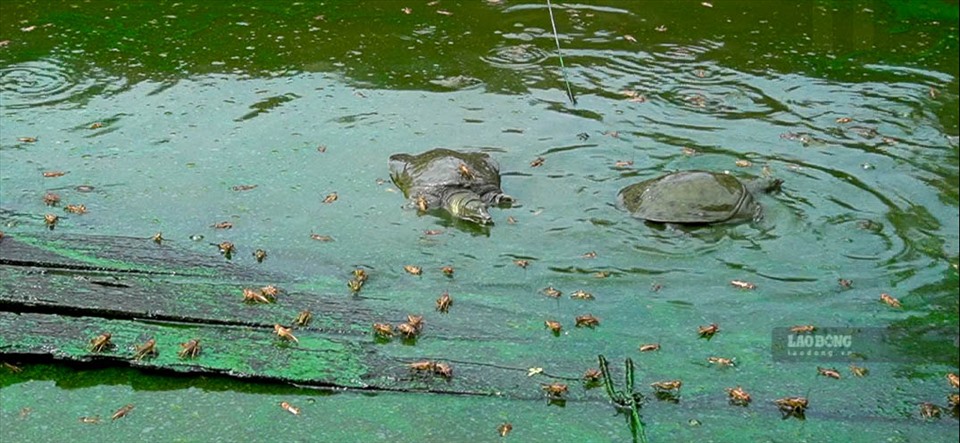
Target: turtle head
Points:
(765, 185)
(467, 205)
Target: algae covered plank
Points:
(54, 300)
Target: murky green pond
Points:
(163, 108)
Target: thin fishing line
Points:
(563, 70)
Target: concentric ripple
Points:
(40, 82)
(516, 56)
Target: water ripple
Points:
(520, 56)
(42, 82)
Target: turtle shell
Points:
(689, 197)
(432, 173)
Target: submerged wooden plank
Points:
(54, 299)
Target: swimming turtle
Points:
(696, 197)
(463, 183)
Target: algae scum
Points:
(278, 119)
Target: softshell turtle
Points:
(696, 197)
(463, 183)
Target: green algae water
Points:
(172, 117)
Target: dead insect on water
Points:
(522, 263)
(190, 349)
(587, 321)
(553, 326)
(122, 412)
(742, 284)
(890, 300)
(290, 408)
(792, 406)
(555, 390)
(738, 396)
(226, 249)
(720, 361)
(588, 255)
(859, 371)
(844, 120)
(708, 331)
(433, 232)
(303, 318)
(323, 238)
(355, 285)
(330, 198)
(259, 255)
(383, 330)
(416, 321)
(90, 420)
(285, 333)
(12, 367)
(101, 343)
(650, 347)
(591, 375)
(27, 139)
(50, 220)
(222, 225)
(929, 410)
(803, 329)
(828, 372)
(53, 174)
(75, 209)
(444, 303)
(270, 291)
(147, 349)
(742, 163)
(240, 188)
(844, 283)
(504, 429)
(51, 199)
(670, 386)
(623, 164)
(954, 380)
(447, 270)
(511, 220)
(157, 238)
(408, 330)
(537, 162)
(550, 291)
(413, 270)
(581, 295)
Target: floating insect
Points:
(708, 331)
(253, 296)
(290, 408)
(720, 361)
(929, 410)
(587, 321)
(447, 270)
(504, 429)
(954, 380)
(244, 187)
(537, 162)
(413, 270)
(742, 284)
(416, 321)
(51, 220)
(859, 371)
(650, 347)
(591, 375)
(588, 255)
(522, 263)
(157, 238)
(555, 390)
(421, 203)
(550, 291)
(383, 330)
(738, 396)
(844, 283)
(331, 197)
(322, 238)
(828, 372)
(53, 174)
(889, 300)
(803, 329)
(51, 199)
(122, 412)
(465, 171)
(581, 295)
(227, 249)
(792, 406)
(90, 420)
(667, 386)
(222, 225)
(444, 302)
(553, 326)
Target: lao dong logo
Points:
(819, 341)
